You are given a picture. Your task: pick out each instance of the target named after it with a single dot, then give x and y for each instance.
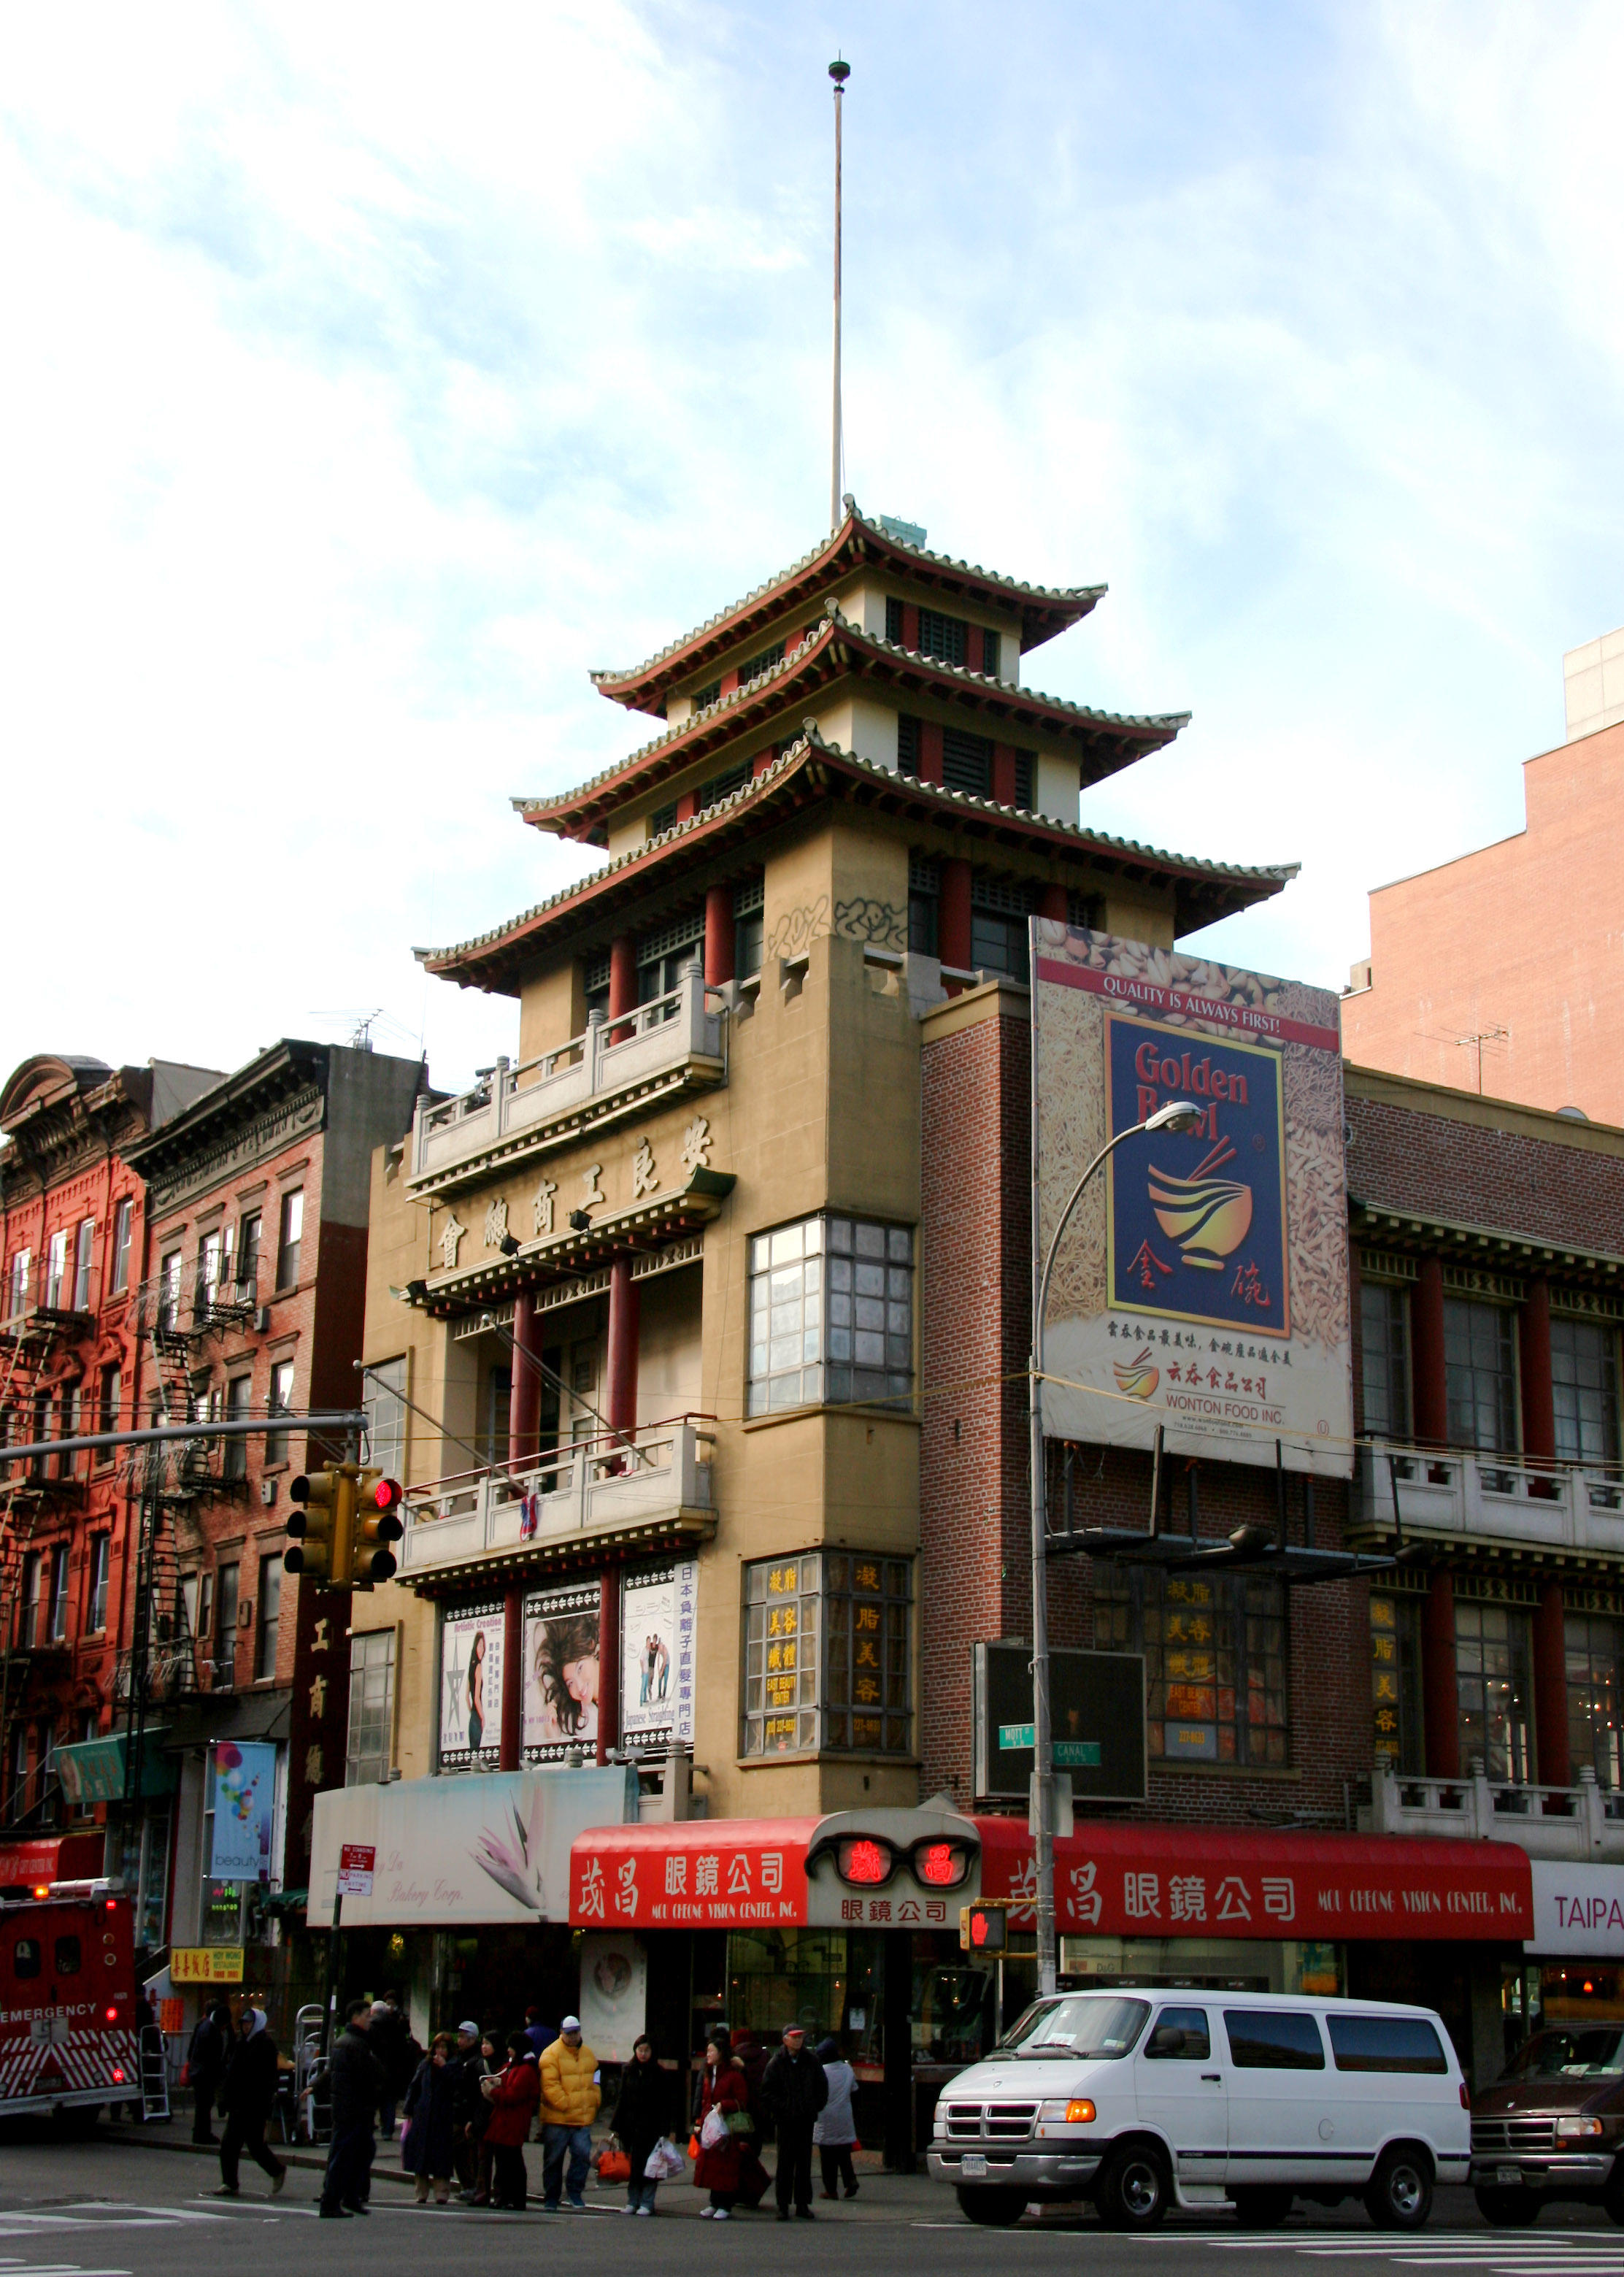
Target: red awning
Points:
(701, 1873)
(1208, 1881)
(53, 1858)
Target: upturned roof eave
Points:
(1114, 739)
(1211, 890)
(1045, 610)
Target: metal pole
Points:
(839, 72)
(347, 1419)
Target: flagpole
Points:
(839, 72)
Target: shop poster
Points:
(245, 1794)
(471, 1687)
(658, 1608)
(561, 1649)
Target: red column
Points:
(513, 1675)
(622, 983)
(1534, 1353)
(1427, 1349)
(953, 913)
(524, 1401)
(621, 1401)
(1004, 774)
(1550, 1688)
(1439, 1695)
(1053, 901)
(718, 936)
(609, 1664)
(930, 751)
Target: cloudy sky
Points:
(372, 372)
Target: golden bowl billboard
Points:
(1202, 1284)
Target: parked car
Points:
(1136, 2099)
(1552, 2127)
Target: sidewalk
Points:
(881, 2196)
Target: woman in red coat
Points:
(512, 2097)
(719, 2168)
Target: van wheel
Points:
(992, 2209)
(1399, 2196)
(1257, 2207)
(1508, 2209)
(1133, 2191)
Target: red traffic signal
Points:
(983, 1929)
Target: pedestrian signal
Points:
(983, 1929)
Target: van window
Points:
(1274, 2039)
(69, 1958)
(1087, 2026)
(1385, 2043)
(1180, 2034)
(25, 1957)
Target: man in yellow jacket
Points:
(570, 2099)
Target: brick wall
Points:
(1441, 1166)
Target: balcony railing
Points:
(1477, 1497)
(594, 1488)
(512, 1100)
(1581, 1822)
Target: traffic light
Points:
(376, 1522)
(321, 1526)
(984, 1928)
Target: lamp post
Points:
(1178, 1115)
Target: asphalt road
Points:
(111, 2208)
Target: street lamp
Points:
(1178, 1115)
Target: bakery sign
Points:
(1201, 1287)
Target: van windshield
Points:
(1091, 2026)
(1597, 2052)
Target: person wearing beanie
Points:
(570, 2098)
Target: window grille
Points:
(924, 875)
(908, 746)
(663, 818)
(598, 972)
(945, 638)
(893, 621)
(722, 786)
(666, 940)
(992, 649)
(966, 761)
(753, 666)
(705, 695)
(749, 897)
(1026, 778)
(1011, 896)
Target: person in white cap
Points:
(570, 2098)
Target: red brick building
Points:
(72, 1233)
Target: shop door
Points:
(1182, 2091)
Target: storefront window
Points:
(1595, 1696)
(826, 1655)
(1307, 1966)
(1396, 1720)
(1480, 1369)
(1216, 1684)
(1585, 1390)
(831, 1314)
(1492, 1674)
(1384, 1322)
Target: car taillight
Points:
(1465, 2100)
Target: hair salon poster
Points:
(471, 1687)
(657, 1609)
(561, 1673)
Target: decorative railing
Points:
(609, 1056)
(599, 1485)
(1490, 1497)
(1585, 1821)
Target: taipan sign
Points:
(1203, 1284)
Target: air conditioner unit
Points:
(261, 1318)
(267, 1491)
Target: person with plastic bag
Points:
(512, 2097)
(834, 2130)
(429, 2148)
(642, 2115)
(723, 2098)
(797, 2090)
(249, 2097)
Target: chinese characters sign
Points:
(726, 1876)
(1202, 1286)
(658, 1604)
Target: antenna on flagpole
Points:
(839, 72)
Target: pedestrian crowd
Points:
(470, 2101)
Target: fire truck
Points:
(68, 2037)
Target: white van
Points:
(1134, 2098)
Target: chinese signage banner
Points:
(462, 1851)
(562, 1675)
(1202, 1283)
(205, 1964)
(245, 1792)
(471, 1687)
(657, 1609)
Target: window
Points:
(663, 818)
(1595, 1696)
(753, 666)
(708, 693)
(268, 1612)
(56, 1622)
(369, 1751)
(1584, 1386)
(122, 1218)
(1274, 2039)
(239, 1397)
(200, 1602)
(908, 746)
(1216, 1675)
(248, 1254)
(999, 937)
(84, 1250)
(924, 892)
(1492, 1660)
(281, 1404)
(17, 1301)
(55, 1269)
(25, 1957)
(893, 619)
(1400, 2043)
(96, 1585)
(1395, 1683)
(30, 1608)
(831, 1314)
(662, 954)
(1480, 1368)
(1182, 2035)
(70, 1956)
(749, 902)
(947, 638)
(289, 1238)
(1383, 1321)
(826, 1655)
(226, 1629)
(967, 763)
(67, 1466)
(383, 1396)
(207, 1276)
(1026, 778)
(168, 1290)
(109, 1404)
(722, 786)
(498, 1413)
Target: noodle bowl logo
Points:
(1137, 1377)
(1208, 1216)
